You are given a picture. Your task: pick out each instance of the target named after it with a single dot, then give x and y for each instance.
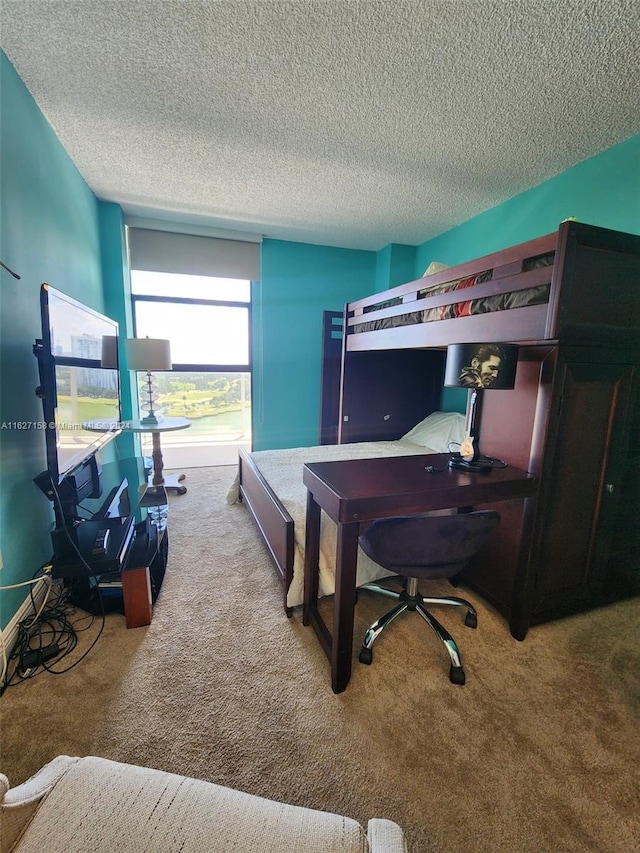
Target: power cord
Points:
(483, 460)
(49, 635)
(495, 463)
(431, 469)
(42, 575)
(43, 642)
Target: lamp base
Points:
(151, 419)
(471, 467)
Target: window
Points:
(207, 320)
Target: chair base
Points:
(411, 599)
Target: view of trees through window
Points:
(216, 402)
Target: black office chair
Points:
(429, 547)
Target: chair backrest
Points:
(428, 546)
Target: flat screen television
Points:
(78, 384)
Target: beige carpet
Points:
(540, 751)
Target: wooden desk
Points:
(359, 490)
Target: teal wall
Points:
(604, 191)
(49, 231)
(117, 289)
(299, 282)
(394, 265)
(54, 229)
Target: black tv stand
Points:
(123, 576)
(76, 552)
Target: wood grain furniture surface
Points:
(360, 490)
(270, 485)
(572, 419)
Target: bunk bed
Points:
(551, 288)
(571, 300)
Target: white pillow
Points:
(434, 267)
(438, 431)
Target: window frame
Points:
(188, 300)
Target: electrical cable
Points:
(431, 469)
(495, 463)
(31, 583)
(484, 460)
(41, 645)
(95, 578)
(49, 635)
(50, 624)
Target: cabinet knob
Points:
(609, 488)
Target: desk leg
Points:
(338, 646)
(311, 559)
(344, 605)
(521, 603)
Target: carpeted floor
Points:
(539, 751)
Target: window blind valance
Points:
(188, 254)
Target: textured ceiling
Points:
(344, 123)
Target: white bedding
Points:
(282, 469)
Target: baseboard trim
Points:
(10, 633)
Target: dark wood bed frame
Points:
(273, 521)
(570, 420)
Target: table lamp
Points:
(478, 367)
(148, 354)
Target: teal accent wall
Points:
(299, 282)
(394, 265)
(603, 191)
(49, 231)
(117, 288)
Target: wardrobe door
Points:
(622, 571)
(583, 480)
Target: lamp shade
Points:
(148, 354)
(488, 366)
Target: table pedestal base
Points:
(170, 482)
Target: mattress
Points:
(282, 469)
(465, 308)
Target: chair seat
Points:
(431, 548)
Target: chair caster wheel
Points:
(182, 490)
(456, 675)
(366, 655)
(471, 620)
